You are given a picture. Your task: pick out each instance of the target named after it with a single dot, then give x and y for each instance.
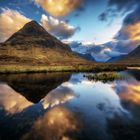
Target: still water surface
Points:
(65, 106)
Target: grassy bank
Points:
(72, 68)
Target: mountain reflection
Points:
(34, 87)
(12, 102)
(77, 109)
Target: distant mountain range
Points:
(91, 51)
(33, 45)
(98, 53)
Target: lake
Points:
(69, 106)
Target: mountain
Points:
(34, 87)
(114, 59)
(87, 56)
(132, 58)
(33, 45)
(84, 50)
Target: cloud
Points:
(115, 7)
(123, 5)
(57, 123)
(113, 53)
(100, 53)
(131, 32)
(128, 37)
(131, 26)
(11, 101)
(59, 8)
(103, 16)
(57, 96)
(10, 22)
(58, 28)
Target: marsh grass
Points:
(105, 76)
(58, 68)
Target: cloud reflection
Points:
(11, 101)
(58, 123)
(58, 96)
(131, 93)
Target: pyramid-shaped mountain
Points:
(33, 33)
(33, 45)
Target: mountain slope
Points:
(115, 59)
(132, 58)
(33, 45)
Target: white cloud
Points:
(10, 22)
(56, 27)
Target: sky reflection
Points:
(76, 109)
(11, 101)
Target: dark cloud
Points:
(124, 5)
(116, 7)
(109, 13)
(133, 17)
(131, 27)
(103, 16)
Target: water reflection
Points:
(58, 123)
(132, 93)
(135, 74)
(75, 109)
(129, 93)
(19, 114)
(97, 103)
(11, 101)
(58, 96)
(34, 87)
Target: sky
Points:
(112, 26)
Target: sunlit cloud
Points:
(59, 7)
(132, 31)
(10, 22)
(11, 101)
(59, 28)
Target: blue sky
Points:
(108, 28)
(86, 19)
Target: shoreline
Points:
(9, 69)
